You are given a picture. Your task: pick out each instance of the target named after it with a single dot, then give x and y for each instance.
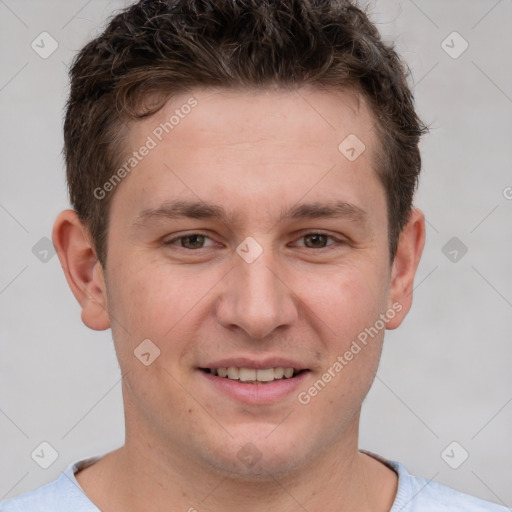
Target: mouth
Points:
(253, 386)
(254, 376)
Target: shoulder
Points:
(421, 495)
(416, 494)
(61, 495)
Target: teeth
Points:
(253, 375)
(245, 374)
(278, 373)
(288, 372)
(266, 375)
(232, 372)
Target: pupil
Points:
(193, 240)
(316, 239)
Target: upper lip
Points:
(251, 362)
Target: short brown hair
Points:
(157, 48)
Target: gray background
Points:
(445, 374)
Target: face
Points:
(246, 238)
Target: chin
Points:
(257, 458)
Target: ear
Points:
(82, 269)
(405, 264)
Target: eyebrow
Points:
(335, 209)
(180, 208)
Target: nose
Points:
(256, 297)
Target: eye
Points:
(192, 241)
(315, 240)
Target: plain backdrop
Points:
(445, 375)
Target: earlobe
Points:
(83, 271)
(405, 264)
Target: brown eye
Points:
(192, 241)
(316, 241)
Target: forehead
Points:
(269, 145)
(235, 115)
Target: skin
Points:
(257, 154)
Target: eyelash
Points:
(337, 241)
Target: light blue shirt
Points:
(414, 494)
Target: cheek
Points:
(153, 300)
(349, 309)
(148, 296)
(347, 300)
(142, 305)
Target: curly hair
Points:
(158, 48)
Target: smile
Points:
(253, 386)
(253, 375)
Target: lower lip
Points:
(256, 394)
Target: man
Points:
(242, 176)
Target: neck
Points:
(143, 476)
